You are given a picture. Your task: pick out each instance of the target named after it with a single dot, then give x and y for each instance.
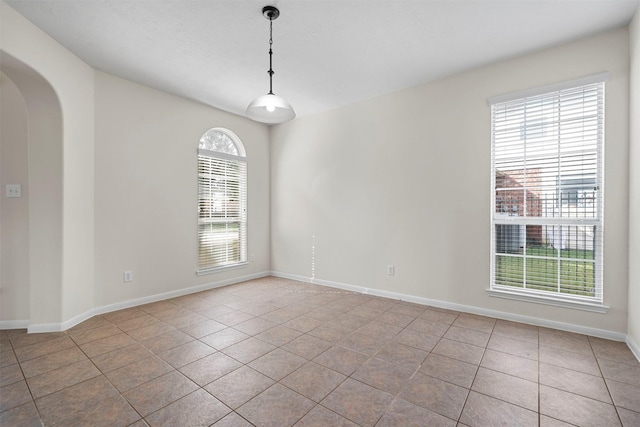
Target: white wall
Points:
(14, 212)
(58, 91)
(45, 143)
(634, 188)
(146, 190)
(112, 184)
(404, 179)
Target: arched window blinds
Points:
(222, 201)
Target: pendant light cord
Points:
(270, 56)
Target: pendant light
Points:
(270, 108)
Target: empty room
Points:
(320, 213)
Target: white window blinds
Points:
(222, 208)
(547, 221)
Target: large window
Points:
(547, 170)
(222, 201)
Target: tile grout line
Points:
(613, 402)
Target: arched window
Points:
(222, 200)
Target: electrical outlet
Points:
(391, 269)
(14, 190)
(127, 276)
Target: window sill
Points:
(213, 270)
(548, 300)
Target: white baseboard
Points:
(600, 333)
(14, 324)
(633, 346)
(58, 327)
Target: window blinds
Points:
(547, 221)
(222, 216)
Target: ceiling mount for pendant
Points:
(270, 108)
(270, 12)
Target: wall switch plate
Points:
(14, 190)
(252, 257)
(127, 276)
(391, 269)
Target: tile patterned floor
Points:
(275, 352)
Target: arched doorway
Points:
(42, 270)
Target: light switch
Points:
(14, 190)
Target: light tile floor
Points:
(275, 352)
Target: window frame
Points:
(557, 298)
(225, 158)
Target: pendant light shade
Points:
(270, 108)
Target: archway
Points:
(44, 190)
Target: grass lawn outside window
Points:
(548, 269)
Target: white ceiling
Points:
(326, 53)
